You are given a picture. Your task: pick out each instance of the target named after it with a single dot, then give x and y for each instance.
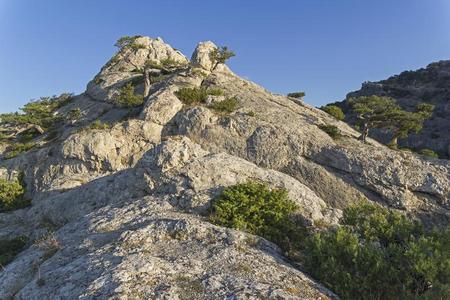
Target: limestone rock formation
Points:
(118, 212)
(201, 56)
(124, 66)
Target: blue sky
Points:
(324, 47)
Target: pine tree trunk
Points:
(394, 142)
(364, 133)
(146, 82)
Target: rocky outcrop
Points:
(119, 212)
(201, 57)
(429, 85)
(125, 65)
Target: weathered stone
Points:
(127, 203)
(201, 57)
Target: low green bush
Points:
(255, 208)
(12, 195)
(226, 106)
(380, 254)
(128, 41)
(193, 96)
(16, 149)
(159, 78)
(334, 111)
(127, 97)
(136, 46)
(298, 95)
(331, 130)
(197, 72)
(375, 253)
(9, 248)
(169, 63)
(40, 112)
(429, 153)
(97, 124)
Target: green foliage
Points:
(298, 95)
(331, 130)
(383, 112)
(74, 115)
(97, 124)
(153, 64)
(9, 248)
(198, 72)
(15, 149)
(127, 98)
(136, 46)
(226, 106)
(3, 137)
(193, 96)
(127, 41)
(155, 79)
(221, 55)
(12, 195)
(253, 207)
(429, 153)
(40, 112)
(380, 254)
(334, 111)
(169, 63)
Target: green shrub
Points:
(226, 106)
(255, 208)
(331, 130)
(193, 96)
(221, 55)
(335, 111)
(15, 149)
(40, 112)
(12, 195)
(136, 46)
(97, 124)
(214, 91)
(155, 79)
(127, 98)
(74, 115)
(170, 63)
(298, 95)
(429, 153)
(126, 41)
(9, 248)
(153, 64)
(198, 72)
(380, 254)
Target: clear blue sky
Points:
(326, 48)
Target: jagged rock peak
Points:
(201, 56)
(123, 66)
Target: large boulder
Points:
(201, 57)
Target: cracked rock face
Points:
(201, 56)
(123, 67)
(122, 209)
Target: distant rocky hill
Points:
(429, 85)
(118, 194)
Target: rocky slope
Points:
(122, 209)
(428, 85)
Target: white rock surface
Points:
(127, 203)
(201, 56)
